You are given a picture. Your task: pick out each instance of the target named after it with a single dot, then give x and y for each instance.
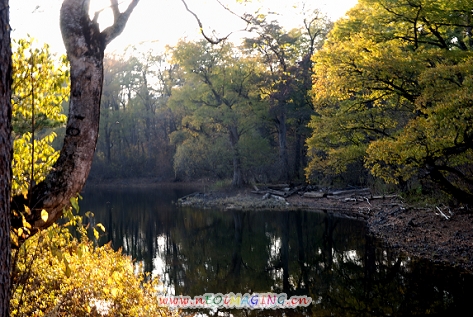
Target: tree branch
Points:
(201, 26)
(85, 46)
(120, 20)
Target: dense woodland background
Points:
(221, 111)
(380, 98)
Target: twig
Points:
(442, 214)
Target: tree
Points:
(286, 56)
(391, 91)
(6, 149)
(135, 121)
(85, 45)
(218, 94)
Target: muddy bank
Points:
(434, 233)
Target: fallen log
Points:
(270, 192)
(194, 194)
(276, 192)
(279, 186)
(314, 194)
(259, 192)
(293, 191)
(350, 192)
(384, 196)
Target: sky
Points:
(159, 22)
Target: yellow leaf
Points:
(26, 224)
(114, 291)
(14, 238)
(68, 271)
(75, 203)
(44, 215)
(99, 225)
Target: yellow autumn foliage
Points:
(393, 91)
(56, 274)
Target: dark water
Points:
(327, 258)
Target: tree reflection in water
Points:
(330, 259)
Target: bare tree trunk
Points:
(283, 155)
(237, 180)
(85, 46)
(6, 151)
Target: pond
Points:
(332, 260)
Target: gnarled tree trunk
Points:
(85, 46)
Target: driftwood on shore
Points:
(282, 190)
(285, 190)
(345, 195)
(315, 194)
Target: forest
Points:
(380, 98)
(201, 110)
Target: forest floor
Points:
(434, 233)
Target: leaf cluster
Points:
(392, 89)
(58, 274)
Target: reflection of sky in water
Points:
(326, 256)
(274, 256)
(159, 266)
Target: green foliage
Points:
(285, 57)
(222, 184)
(57, 274)
(392, 89)
(135, 121)
(199, 156)
(155, 105)
(218, 100)
(257, 157)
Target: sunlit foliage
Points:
(392, 89)
(53, 272)
(56, 274)
(40, 86)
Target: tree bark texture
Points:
(85, 46)
(6, 152)
(237, 180)
(283, 155)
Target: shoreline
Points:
(422, 232)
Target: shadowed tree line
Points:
(219, 111)
(380, 97)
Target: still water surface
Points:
(330, 259)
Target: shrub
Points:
(56, 274)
